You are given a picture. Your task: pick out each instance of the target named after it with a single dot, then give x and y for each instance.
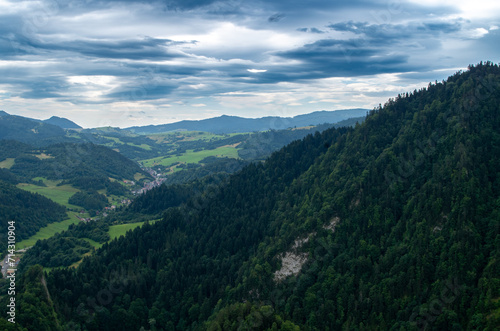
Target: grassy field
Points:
(44, 156)
(59, 194)
(94, 244)
(143, 146)
(115, 231)
(117, 141)
(193, 157)
(138, 176)
(48, 231)
(168, 137)
(7, 163)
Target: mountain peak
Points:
(62, 122)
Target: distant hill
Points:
(35, 132)
(62, 122)
(75, 163)
(233, 124)
(29, 131)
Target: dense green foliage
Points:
(225, 229)
(166, 196)
(29, 211)
(12, 148)
(91, 201)
(58, 251)
(34, 301)
(244, 316)
(210, 166)
(396, 221)
(261, 144)
(94, 183)
(8, 177)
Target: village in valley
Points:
(159, 178)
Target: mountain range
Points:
(234, 124)
(63, 123)
(33, 131)
(54, 130)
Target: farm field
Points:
(117, 141)
(48, 231)
(115, 231)
(59, 194)
(7, 163)
(167, 137)
(193, 157)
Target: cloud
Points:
(134, 49)
(397, 31)
(310, 30)
(138, 49)
(101, 56)
(136, 93)
(352, 57)
(276, 18)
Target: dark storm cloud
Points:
(310, 30)
(276, 18)
(187, 4)
(302, 6)
(39, 87)
(375, 49)
(141, 92)
(336, 58)
(134, 49)
(333, 65)
(14, 39)
(147, 48)
(396, 31)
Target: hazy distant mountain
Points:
(34, 131)
(233, 124)
(62, 122)
(28, 130)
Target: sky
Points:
(124, 63)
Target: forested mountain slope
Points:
(393, 224)
(84, 165)
(31, 131)
(29, 211)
